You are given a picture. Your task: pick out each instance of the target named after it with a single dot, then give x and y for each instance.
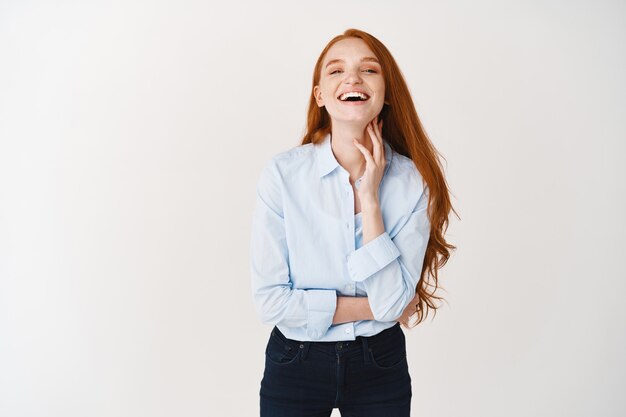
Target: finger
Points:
(376, 143)
(375, 146)
(374, 125)
(378, 130)
(382, 146)
(368, 156)
(374, 122)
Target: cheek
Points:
(329, 91)
(381, 89)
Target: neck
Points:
(348, 155)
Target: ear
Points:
(318, 96)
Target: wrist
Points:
(370, 204)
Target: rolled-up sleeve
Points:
(372, 257)
(390, 268)
(275, 299)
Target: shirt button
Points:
(347, 330)
(347, 225)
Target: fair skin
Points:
(357, 144)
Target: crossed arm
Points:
(358, 308)
(352, 309)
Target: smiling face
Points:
(350, 67)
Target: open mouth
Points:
(353, 96)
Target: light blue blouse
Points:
(307, 244)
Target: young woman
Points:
(347, 232)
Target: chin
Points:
(356, 119)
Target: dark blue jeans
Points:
(367, 377)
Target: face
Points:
(350, 66)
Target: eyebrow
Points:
(366, 59)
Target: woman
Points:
(347, 230)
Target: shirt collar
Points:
(326, 161)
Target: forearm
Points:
(352, 309)
(373, 225)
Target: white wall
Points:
(131, 138)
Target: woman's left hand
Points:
(374, 164)
(409, 311)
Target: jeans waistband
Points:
(365, 341)
(371, 339)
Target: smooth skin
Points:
(357, 144)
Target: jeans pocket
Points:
(387, 360)
(282, 352)
(388, 357)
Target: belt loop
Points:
(305, 349)
(366, 355)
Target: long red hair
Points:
(405, 134)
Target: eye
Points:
(372, 71)
(334, 71)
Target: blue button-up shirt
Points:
(307, 244)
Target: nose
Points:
(353, 77)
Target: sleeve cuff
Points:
(321, 306)
(372, 257)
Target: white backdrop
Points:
(131, 139)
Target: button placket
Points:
(350, 228)
(349, 207)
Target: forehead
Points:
(348, 49)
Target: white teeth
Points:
(344, 96)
